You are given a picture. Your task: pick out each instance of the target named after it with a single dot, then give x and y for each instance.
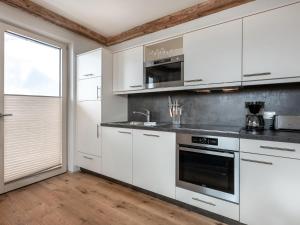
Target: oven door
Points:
(210, 172)
(164, 75)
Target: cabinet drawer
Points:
(89, 89)
(89, 162)
(208, 203)
(89, 65)
(281, 149)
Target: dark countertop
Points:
(272, 135)
(224, 131)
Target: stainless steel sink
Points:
(138, 123)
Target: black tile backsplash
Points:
(218, 107)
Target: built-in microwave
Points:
(166, 72)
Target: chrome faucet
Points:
(147, 114)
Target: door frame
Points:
(64, 95)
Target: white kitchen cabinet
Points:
(269, 190)
(89, 89)
(117, 153)
(271, 47)
(154, 161)
(213, 55)
(221, 207)
(89, 162)
(128, 67)
(96, 103)
(88, 127)
(272, 148)
(88, 65)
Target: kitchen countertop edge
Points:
(268, 135)
(169, 129)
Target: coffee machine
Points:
(254, 118)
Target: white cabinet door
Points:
(154, 161)
(271, 44)
(89, 89)
(269, 190)
(89, 64)
(213, 55)
(117, 153)
(128, 69)
(88, 127)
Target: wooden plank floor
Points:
(83, 199)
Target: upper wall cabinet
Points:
(213, 55)
(128, 69)
(271, 45)
(88, 65)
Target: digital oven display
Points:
(205, 141)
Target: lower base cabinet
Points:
(270, 189)
(227, 209)
(117, 153)
(154, 161)
(89, 162)
(88, 138)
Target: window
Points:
(31, 67)
(33, 135)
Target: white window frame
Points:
(64, 94)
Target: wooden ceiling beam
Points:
(194, 12)
(55, 18)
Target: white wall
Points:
(227, 15)
(76, 45)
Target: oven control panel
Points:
(204, 140)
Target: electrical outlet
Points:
(269, 115)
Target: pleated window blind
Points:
(33, 134)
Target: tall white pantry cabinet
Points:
(95, 104)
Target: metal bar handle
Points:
(207, 152)
(279, 149)
(88, 75)
(208, 203)
(87, 157)
(124, 132)
(2, 115)
(257, 161)
(257, 74)
(98, 88)
(151, 135)
(196, 80)
(136, 86)
(98, 130)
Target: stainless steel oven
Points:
(208, 165)
(166, 72)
